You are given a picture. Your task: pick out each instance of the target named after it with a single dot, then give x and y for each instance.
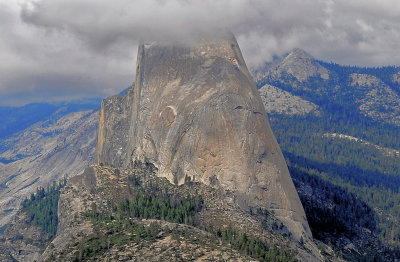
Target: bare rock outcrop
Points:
(195, 112)
(114, 123)
(278, 101)
(396, 77)
(376, 99)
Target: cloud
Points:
(43, 63)
(75, 47)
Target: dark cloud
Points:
(68, 48)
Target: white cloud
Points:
(83, 47)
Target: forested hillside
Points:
(367, 170)
(354, 141)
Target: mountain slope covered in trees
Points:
(354, 141)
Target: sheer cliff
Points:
(195, 113)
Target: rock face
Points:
(22, 241)
(113, 129)
(195, 113)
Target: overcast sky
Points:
(53, 50)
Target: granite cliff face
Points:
(113, 129)
(195, 113)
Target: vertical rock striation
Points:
(195, 112)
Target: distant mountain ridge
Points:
(15, 119)
(353, 141)
(42, 143)
(373, 93)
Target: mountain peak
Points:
(301, 65)
(298, 53)
(195, 113)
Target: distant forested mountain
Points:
(351, 138)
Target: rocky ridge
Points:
(331, 85)
(389, 152)
(95, 189)
(396, 77)
(278, 101)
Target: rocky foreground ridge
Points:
(95, 224)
